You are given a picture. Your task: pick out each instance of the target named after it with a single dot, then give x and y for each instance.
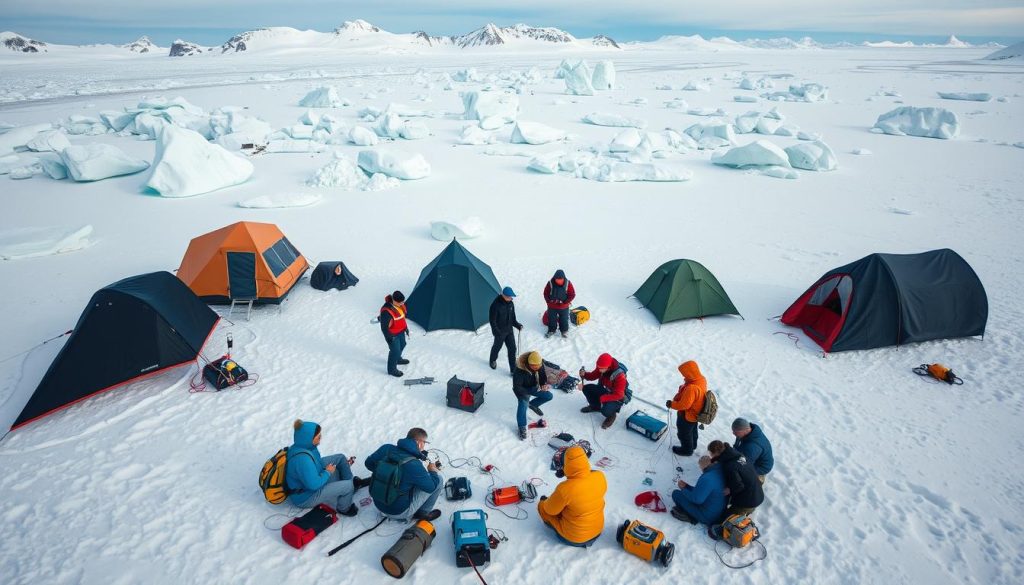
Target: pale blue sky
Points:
(212, 21)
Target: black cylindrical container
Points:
(410, 546)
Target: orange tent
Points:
(243, 261)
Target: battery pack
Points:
(646, 425)
(506, 495)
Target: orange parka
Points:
(690, 397)
(576, 508)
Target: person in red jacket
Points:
(607, 394)
(395, 328)
(688, 403)
(558, 294)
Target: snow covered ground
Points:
(880, 477)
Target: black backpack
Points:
(629, 392)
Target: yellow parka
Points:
(576, 508)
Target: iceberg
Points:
(578, 80)
(757, 153)
(323, 97)
(361, 136)
(812, 156)
(625, 141)
(923, 122)
(535, 133)
(187, 165)
(722, 130)
(94, 162)
(604, 75)
(413, 130)
(394, 163)
(389, 126)
(480, 105)
(340, 173)
(48, 141)
(614, 120)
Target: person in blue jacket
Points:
(704, 502)
(419, 487)
(312, 480)
(750, 441)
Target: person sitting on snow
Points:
(607, 395)
(419, 488)
(528, 380)
(314, 480)
(704, 502)
(575, 511)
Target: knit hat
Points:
(534, 359)
(740, 424)
(508, 292)
(398, 297)
(604, 361)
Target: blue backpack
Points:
(629, 392)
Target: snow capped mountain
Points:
(1014, 51)
(356, 26)
(16, 42)
(604, 41)
(180, 48)
(491, 35)
(141, 45)
(955, 42)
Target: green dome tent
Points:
(684, 289)
(454, 291)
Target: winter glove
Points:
(518, 326)
(407, 334)
(668, 404)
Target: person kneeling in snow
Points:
(418, 488)
(314, 480)
(741, 483)
(704, 502)
(750, 441)
(607, 395)
(575, 511)
(688, 403)
(528, 380)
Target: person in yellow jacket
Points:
(576, 508)
(689, 401)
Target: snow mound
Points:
(48, 141)
(281, 200)
(923, 122)
(762, 83)
(812, 156)
(620, 172)
(806, 92)
(965, 96)
(361, 136)
(502, 107)
(748, 99)
(625, 141)
(94, 162)
(340, 173)
(777, 172)
(757, 153)
(20, 243)
(706, 112)
(394, 163)
(323, 97)
(473, 134)
(18, 137)
(696, 86)
(381, 182)
(767, 123)
(284, 145)
(467, 229)
(187, 165)
(613, 120)
(604, 75)
(578, 80)
(715, 129)
(535, 133)
(861, 151)
(546, 163)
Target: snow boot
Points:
(588, 408)
(403, 362)
(680, 514)
(428, 516)
(359, 483)
(549, 334)
(352, 511)
(565, 335)
(396, 373)
(608, 422)
(536, 410)
(494, 365)
(522, 433)
(681, 452)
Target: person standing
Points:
(558, 294)
(314, 480)
(688, 403)
(751, 441)
(609, 393)
(395, 328)
(503, 320)
(530, 379)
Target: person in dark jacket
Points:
(503, 320)
(395, 328)
(608, 394)
(750, 441)
(530, 379)
(558, 294)
(704, 502)
(313, 480)
(741, 484)
(419, 487)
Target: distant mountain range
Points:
(360, 35)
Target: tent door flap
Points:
(241, 275)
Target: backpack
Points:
(387, 477)
(272, 477)
(579, 315)
(939, 372)
(739, 531)
(709, 410)
(629, 391)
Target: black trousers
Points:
(687, 432)
(558, 318)
(593, 393)
(509, 341)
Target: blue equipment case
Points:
(469, 528)
(646, 425)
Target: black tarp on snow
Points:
(328, 275)
(133, 328)
(892, 299)
(454, 291)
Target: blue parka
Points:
(414, 475)
(705, 501)
(756, 448)
(305, 473)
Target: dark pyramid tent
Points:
(328, 275)
(454, 291)
(891, 299)
(133, 328)
(684, 289)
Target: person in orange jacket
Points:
(575, 511)
(689, 401)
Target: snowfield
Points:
(881, 477)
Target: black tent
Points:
(454, 291)
(133, 328)
(328, 275)
(892, 299)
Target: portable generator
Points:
(505, 495)
(469, 528)
(646, 425)
(645, 541)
